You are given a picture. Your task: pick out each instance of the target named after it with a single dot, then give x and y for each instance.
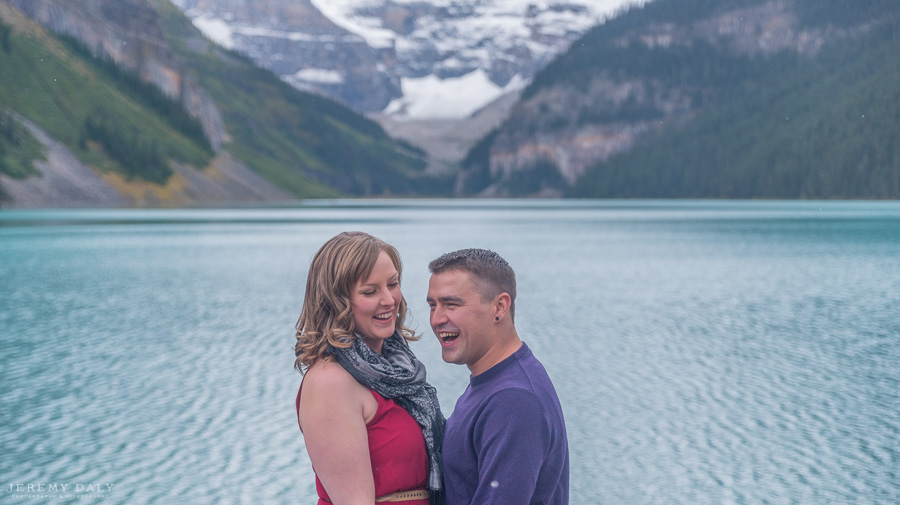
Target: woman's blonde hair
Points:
(327, 316)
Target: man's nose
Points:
(438, 316)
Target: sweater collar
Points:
(522, 352)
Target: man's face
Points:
(460, 320)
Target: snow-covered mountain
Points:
(407, 58)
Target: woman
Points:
(372, 425)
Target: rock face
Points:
(360, 51)
(294, 40)
(128, 31)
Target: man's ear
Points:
(501, 306)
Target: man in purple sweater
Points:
(505, 442)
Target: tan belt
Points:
(417, 494)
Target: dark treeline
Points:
(699, 64)
(478, 164)
(843, 13)
(17, 148)
(5, 32)
(138, 155)
(146, 93)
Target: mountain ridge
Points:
(681, 84)
(718, 98)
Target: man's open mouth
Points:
(448, 337)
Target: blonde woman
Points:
(372, 425)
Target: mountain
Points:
(709, 98)
(406, 58)
(125, 102)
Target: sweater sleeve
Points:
(512, 439)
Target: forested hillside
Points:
(735, 98)
(114, 120)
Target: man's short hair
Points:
(490, 272)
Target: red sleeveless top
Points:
(396, 448)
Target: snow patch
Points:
(454, 98)
(216, 30)
(319, 75)
(341, 13)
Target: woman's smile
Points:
(376, 302)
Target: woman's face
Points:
(376, 301)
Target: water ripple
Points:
(704, 352)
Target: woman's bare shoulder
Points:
(326, 374)
(327, 386)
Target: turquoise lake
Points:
(705, 352)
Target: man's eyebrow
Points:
(446, 299)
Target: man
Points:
(505, 442)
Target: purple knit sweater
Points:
(505, 442)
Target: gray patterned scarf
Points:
(396, 373)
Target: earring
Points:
(496, 318)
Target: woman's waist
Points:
(411, 497)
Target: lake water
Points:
(705, 352)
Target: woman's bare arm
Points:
(334, 410)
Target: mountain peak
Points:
(408, 58)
